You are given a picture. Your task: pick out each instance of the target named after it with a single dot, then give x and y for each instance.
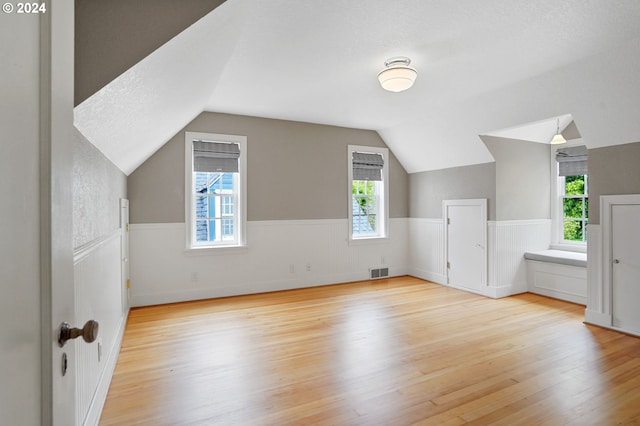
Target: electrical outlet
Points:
(308, 267)
(292, 269)
(195, 277)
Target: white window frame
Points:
(240, 213)
(557, 212)
(382, 215)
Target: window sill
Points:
(216, 250)
(561, 257)
(578, 248)
(368, 240)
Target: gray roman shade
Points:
(572, 161)
(367, 166)
(219, 157)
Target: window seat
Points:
(558, 256)
(559, 274)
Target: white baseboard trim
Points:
(428, 275)
(255, 288)
(100, 395)
(558, 294)
(489, 291)
(597, 318)
(604, 321)
(504, 291)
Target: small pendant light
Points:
(558, 138)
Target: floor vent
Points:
(378, 273)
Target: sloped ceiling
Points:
(482, 67)
(540, 131)
(113, 35)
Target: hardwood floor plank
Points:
(395, 351)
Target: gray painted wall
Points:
(571, 131)
(296, 171)
(104, 31)
(523, 173)
(427, 190)
(98, 186)
(613, 170)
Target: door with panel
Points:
(625, 269)
(465, 241)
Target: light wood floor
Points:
(398, 351)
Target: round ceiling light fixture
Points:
(397, 75)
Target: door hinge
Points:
(128, 283)
(127, 227)
(448, 265)
(448, 221)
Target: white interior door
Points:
(58, 375)
(124, 250)
(465, 242)
(625, 269)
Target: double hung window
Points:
(368, 187)
(572, 209)
(215, 182)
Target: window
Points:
(368, 188)
(575, 208)
(572, 200)
(215, 197)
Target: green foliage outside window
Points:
(575, 208)
(363, 191)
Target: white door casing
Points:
(625, 266)
(465, 243)
(619, 241)
(124, 250)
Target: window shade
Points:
(572, 161)
(216, 157)
(367, 166)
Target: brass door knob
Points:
(89, 332)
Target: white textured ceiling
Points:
(482, 66)
(540, 131)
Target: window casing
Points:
(368, 188)
(215, 190)
(570, 191)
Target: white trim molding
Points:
(595, 312)
(599, 309)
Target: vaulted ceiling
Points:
(483, 67)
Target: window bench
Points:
(558, 274)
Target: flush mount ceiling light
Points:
(558, 138)
(397, 75)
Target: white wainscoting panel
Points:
(279, 255)
(508, 241)
(563, 282)
(98, 296)
(598, 298)
(426, 249)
